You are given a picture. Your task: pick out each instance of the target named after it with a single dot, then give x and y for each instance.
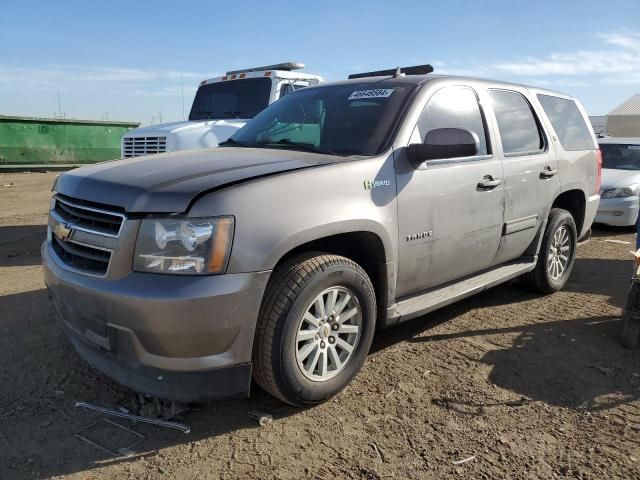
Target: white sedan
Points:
(619, 194)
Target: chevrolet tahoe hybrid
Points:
(337, 210)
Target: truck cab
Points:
(222, 105)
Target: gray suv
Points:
(339, 209)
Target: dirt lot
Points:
(533, 387)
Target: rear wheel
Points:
(315, 328)
(557, 253)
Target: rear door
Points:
(530, 166)
(449, 224)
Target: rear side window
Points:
(287, 88)
(454, 107)
(568, 122)
(517, 123)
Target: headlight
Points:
(181, 245)
(620, 192)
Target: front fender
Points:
(327, 230)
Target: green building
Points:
(28, 141)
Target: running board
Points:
(438, 297)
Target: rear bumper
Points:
(590, 211)
(175, 337)
(619, 212)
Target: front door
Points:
(450, 211)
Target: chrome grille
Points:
(88, 218)
(94, 261)
(83, 234)
(138, 146)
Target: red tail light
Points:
(599, 172)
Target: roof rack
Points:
(287, 66)
(416, 70)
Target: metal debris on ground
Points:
(135, 418)
(621, 242)
(261, 417)
(379, 452)
(123, 451)
(464, 460)
(10, 184)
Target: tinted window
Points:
(286, 88)
(620, 157)
(289, 87)
(350, 119)
(568, 122)
(453, 107)
(517, 125)
(232, 99)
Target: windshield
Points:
(234, 99)
(347, 119)
(620, 157)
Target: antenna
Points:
(59, 106)
(182, 91)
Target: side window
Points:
(568, 123)
(285, 89)
(517, 123)
(454, 107)
(290, 87)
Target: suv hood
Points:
(169, 182)
(612, 178)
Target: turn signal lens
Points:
(221, 244)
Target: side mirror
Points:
(443, 143)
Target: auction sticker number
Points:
(375, 93)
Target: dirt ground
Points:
(530, 386)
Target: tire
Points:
(546, 278)
(631, 318)
(288, 310)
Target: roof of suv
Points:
(422, 79)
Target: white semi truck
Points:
(221, 106)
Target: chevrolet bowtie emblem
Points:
(62, 231)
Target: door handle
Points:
(548, 172)
(489, 183)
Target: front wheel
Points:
(315, 328)
(557, 253)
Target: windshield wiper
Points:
(206, 114)
(287, 142)
(235, 113)
(230, 142)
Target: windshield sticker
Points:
(633, 147)
(375, 93)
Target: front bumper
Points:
(619, 212)
(185, 338)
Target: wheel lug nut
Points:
(334, 327)
(322, 345)
(332, 340)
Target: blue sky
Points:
(124, 59)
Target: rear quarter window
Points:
(568, 122)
